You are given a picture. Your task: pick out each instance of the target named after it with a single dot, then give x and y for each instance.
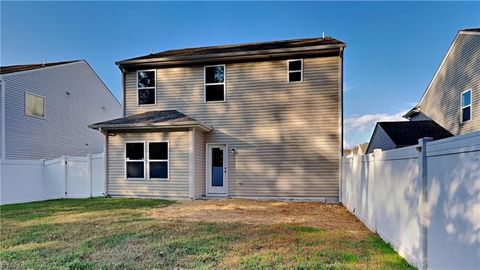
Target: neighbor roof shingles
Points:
(405, 133)
(19, 68)
(246, 47)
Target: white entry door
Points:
(217, 170)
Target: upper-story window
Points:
(215, 83)
(34, 105)
(146, 83)
(466, 105)
(295, 70)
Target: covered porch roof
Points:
(152, 120)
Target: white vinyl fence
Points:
(64, 177)
(423, 199)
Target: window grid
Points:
(154, 88)
(465, 107)
(159, 160)
(295, 70)
(205, 84)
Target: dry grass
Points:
(111, 233)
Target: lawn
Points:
(114, 233)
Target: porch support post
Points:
(191, 164)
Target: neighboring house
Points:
(46, 108)
(259, 120)
(392, 135)
(452, 99)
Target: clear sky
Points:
(393, 48)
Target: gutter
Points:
(112, 127)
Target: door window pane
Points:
(217, 167)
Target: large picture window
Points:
(215, 83)
(146, 84)
(34, 105)
(466, 110)
(158, 160)
(134, 160)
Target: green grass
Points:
(113, 233)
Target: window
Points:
(146, 83)
(158, 160)
(34, 105)
(295, 70)
(466, 105)
(215, 83)
(134, 160)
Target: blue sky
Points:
(393, 48)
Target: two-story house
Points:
(258, 120)
(452, 99)
(449, 106)
(45, 110)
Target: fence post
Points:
(65, 173)
(377, 154)
(422, 202)
(43, 180)
(89, 169)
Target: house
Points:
(46, 109)
(450, 104)
(452, 99)
(392, 135)
(257, 120)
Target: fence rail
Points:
(64, 177)
(423, 199)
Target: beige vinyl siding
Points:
(287, 135)
(199, 152)
(175, 187)
(459, 72)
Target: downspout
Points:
(105, 159)
(341, 125)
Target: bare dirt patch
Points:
(256, 212)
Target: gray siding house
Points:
(393, 135)
(45, 110)
(452, 99)
(258, 120)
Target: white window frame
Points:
(154, 88)
(224, 83)
(158, 160)
(463, 107)
(134, 160)
(33, 115)
(294, 71)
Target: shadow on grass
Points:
(29, 211)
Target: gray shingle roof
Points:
(192, 53)
(151, 119)
(406, 133)
(19, 68)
